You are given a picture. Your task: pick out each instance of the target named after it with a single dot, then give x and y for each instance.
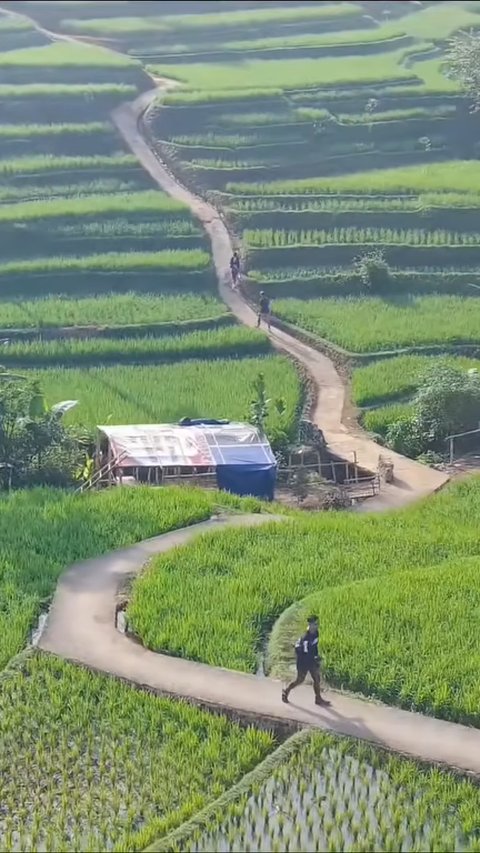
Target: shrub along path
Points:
(412, 480)
(81, 628)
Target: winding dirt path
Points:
(81, 628)
(412, 480)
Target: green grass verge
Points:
(250, 577)
(165, 394)
(113, 765)
(371, 324)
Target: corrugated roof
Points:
(198, 445)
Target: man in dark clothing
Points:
(308, 661)
(264, 312)
(235, 267)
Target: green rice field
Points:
(357, 795)
(401, 660)
(371, 324)
(319, 132)
(64, 55)
(149, 201)
(234, 341)
(45, 530)
(379, 419)
(111, 310)
(389, 378)
(297, 74)
(452, 176)
(167, 393)
(177, 259)
(332, 556)
(108, 736)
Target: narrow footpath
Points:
(81, 622)
(81, 628)
(412, 480)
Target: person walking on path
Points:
(308, 661)
(235, 268)
(265, 312)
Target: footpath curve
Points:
(412, 480)
(81, 628)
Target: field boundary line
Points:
(412, 480)
(81, 628)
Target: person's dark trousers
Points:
(302, 671)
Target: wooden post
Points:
(451, 451)
(355, 465)
(334, 476)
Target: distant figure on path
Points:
(265, 310)
(308, 661)
(235, 267)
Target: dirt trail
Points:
(412, 480)
(81, 628)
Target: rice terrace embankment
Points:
(311, 137)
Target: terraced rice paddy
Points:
(93, 735)
(234, 341)
(167, 393)
(369, 324)
(384, 389)
(356, 796)
(332, 556)
(129, 309)
(396, 377)
(321, 131)
(45, 530)
(337, 142)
